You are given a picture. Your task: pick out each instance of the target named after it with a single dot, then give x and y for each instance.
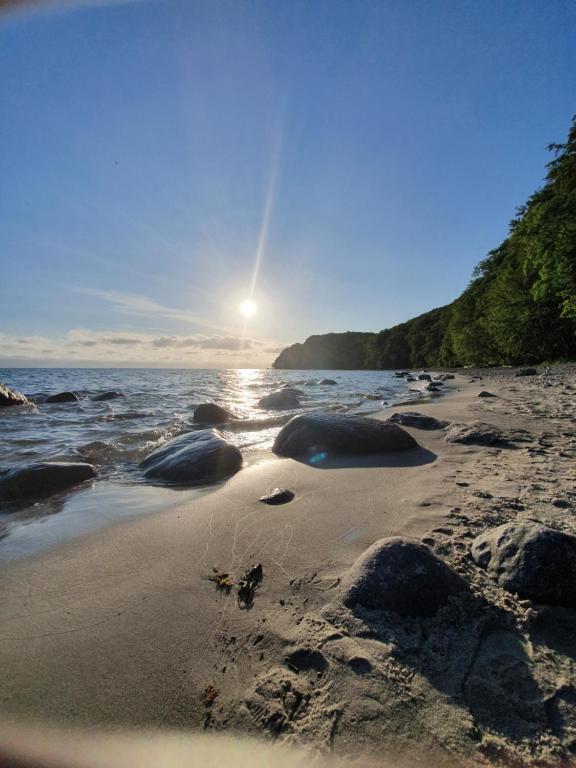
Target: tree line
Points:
(520, 306)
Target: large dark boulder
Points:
(210, 413)
(424, 377)
(196, 458)
(417, 420)
(474, 434)
(103, 396)
(42, 479)
(401, 575)
(333, 434)
(9, 397)
(63, 397)
(530, 559)
(281, 399)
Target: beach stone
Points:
(107, 396)
(402, 575)
(10, 397)
(424, 377)
(195, 458)
(210, 413)
(42, 479)
(327, 381)
(486, 394)
(434, 386)
(278, 496)
(474, 434)
(281, 399)
(417, 420)
(330, 434)
(526, 372)
(531, 560)
(63, 397)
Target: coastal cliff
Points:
(520, 306)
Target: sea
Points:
(156, 406)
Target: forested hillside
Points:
(520, 306)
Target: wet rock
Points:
(401, 374)
(293, 390)
(9, 397)
(417, 420)
(195, 458)
(526, 372)
(278, 496)
(424, 377)
(327, 382)
(281, 399)
(63, 397)
(531, 560)
(484, 393)
(210, 413)
(42, 479)
(434, 386)
(112, 395)
(401, 575)
(474, 434)
(328, 434)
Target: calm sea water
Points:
(116, 435)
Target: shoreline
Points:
(124, 627)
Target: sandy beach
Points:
(125, 628)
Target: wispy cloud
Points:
(144, 306)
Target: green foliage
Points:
(519, 308)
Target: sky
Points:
(345, 164)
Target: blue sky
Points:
(366, 154)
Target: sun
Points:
(248, 308)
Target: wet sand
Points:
(124, 627)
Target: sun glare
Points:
(248, 308)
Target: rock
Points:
(9, 397)
(327, 381)
(107, 396)
(474, 434)
(409, 378)
(278, 496)
(434, 386)
(210, 413)
(281, 399)
(329, 434)
(447, 377)
(63, 397)
(486, 394)
(526, 372)
(417, 420)
(531, 560)
(42, 479)
(401, 374)
(195, 458)
(424, 377)
(293, 391)
(402, 575)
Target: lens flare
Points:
(248, 308)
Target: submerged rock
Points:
(417, 420)
(9, 397)
(281, 399)
(531, 560)
(210, 413)
(293, 390)
(330, 434)
(278, 496)
(113, 395)
(474, 434)
(327, 381)
(196, 458)
(401, 575)
(42, 479)
(63, 397)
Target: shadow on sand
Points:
(415, 457)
